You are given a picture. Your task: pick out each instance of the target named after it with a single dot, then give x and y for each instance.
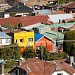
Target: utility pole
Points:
(58, 1)
(41, 52)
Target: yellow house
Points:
(24, 39)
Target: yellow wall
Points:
(23, 35)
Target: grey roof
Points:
(19, 8)
(44, 11)
(55, 18)
(31, 26)
(42, 26)
(4, 35)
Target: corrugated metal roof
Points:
(41, 26)
(50, 36)
(34, 66)
(37, 36)
(19, 8)
(54, 35)
(4, 35)
(44, 11)
(59, 12)
(27, 20)
(55, 18)
(58, 34)
(69, 5)
(57, 25)
(62, 24)
(67, 26)
(31, 26)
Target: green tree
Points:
(57, 56)
(42, 53)
(45, 53)
(72, 51)
(9, 26)
(61, 1)
(29, 52)
(69, 39)
(10, 52)
(64, 1)
(12, 14)
(10, 64)
(20, 24)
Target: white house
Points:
(4, 39)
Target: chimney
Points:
(51, 10)
(59, 21)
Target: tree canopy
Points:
(12, 14)
(64, 1)
(69, 41)
(11, 52)
(29, 52)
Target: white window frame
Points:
(30, 39)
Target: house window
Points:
(22, 40)
(8, 40)
(30, 39)
(60, 74)
(16, 40)
(0, 41)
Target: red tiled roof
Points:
(35, 2)
(70, 5)
(38, 67)
(64, 66)
(28, 20)
(1, 2)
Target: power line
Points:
(66, 40)
(43, 41)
